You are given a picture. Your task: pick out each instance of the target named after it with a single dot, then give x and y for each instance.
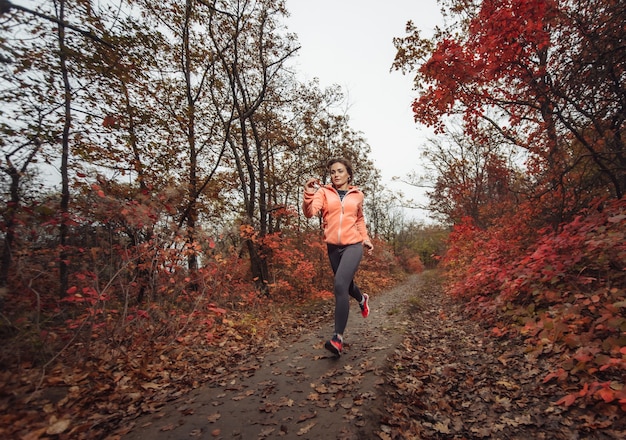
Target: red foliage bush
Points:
(410, 262)
(414, 265)
(564, 288)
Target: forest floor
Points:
(416, 368)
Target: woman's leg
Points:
(344, 261)
(355, 292)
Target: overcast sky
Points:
(350, 43)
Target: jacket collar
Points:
(351, 188)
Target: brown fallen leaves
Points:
(96, 392)
(454, 380)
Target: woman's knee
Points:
(341, 287)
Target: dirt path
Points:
(297, 391)
(417, 368)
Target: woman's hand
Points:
(370, 247)
(312, 185)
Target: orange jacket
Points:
(343, 221)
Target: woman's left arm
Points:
(362, 228)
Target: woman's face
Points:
(339, 176)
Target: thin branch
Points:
(6, 6)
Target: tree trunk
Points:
(65, 145)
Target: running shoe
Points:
(365, 307)
(335, 346)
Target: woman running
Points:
(345, 234)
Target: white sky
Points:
(349, 43)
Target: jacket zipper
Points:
(341, 215)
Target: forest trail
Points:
(416, 368)
(299, 390)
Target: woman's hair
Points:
(343, 161)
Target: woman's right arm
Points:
(313, 200)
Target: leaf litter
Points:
(423, 371)
(451, 378)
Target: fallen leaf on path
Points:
(187, 411)
(151, 386)
(508, 385)
(306, 428)
(305, 417)
(285, 401)
(169, 427)
(322, 389)
(243, 396)
(58, 427)
(214, 417)
(268, 407)
(442, 427)
(35, 435)
(266, 432)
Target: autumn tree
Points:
(384, 211)
(546, 75)
(39, 90)
(64, 207)
(181, 82)
(21, 147)
(471, 178)
(252, 55)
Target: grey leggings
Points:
(345, 261)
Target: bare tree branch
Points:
(6, 6)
